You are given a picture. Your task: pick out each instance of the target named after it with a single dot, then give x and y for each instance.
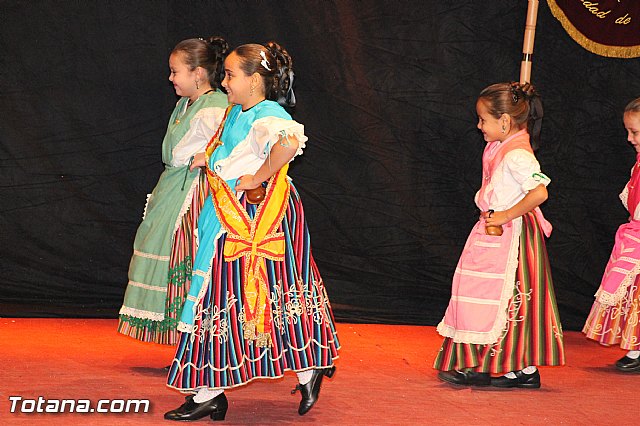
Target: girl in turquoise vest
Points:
(257, 305)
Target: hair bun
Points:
(536, 112)
(219, 48)
(218, 44)
(528, 90)
(284, 76)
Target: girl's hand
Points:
(198, 161)
(246, 182)
(493, 218)
(533, 199)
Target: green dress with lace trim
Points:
(155, 292)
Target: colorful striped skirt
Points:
(216, 356)
(533, 334)
(183, 250)
(618, 324)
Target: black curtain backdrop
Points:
(387, 93)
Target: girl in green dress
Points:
(166, 240)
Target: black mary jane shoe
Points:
(465, 378)
(522, 380)
(216, 408)
(628, 365)
(311, 390)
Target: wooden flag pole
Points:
(529, 37)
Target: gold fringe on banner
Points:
(592, 46)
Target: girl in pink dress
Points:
(613, 319)
(502, 317)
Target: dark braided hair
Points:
(206, 53)
(276, 70)
(521, 102)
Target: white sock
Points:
(205, 394)
(304, 377)
(633, 354)
(528, 370)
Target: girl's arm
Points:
(533, 199)
(281, 153)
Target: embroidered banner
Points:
(605, 27)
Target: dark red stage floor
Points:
(384, 376)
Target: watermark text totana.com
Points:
(19, 404)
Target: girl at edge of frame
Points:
(165, 242)
(613, 319)
(253, 313)
(503, 317)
